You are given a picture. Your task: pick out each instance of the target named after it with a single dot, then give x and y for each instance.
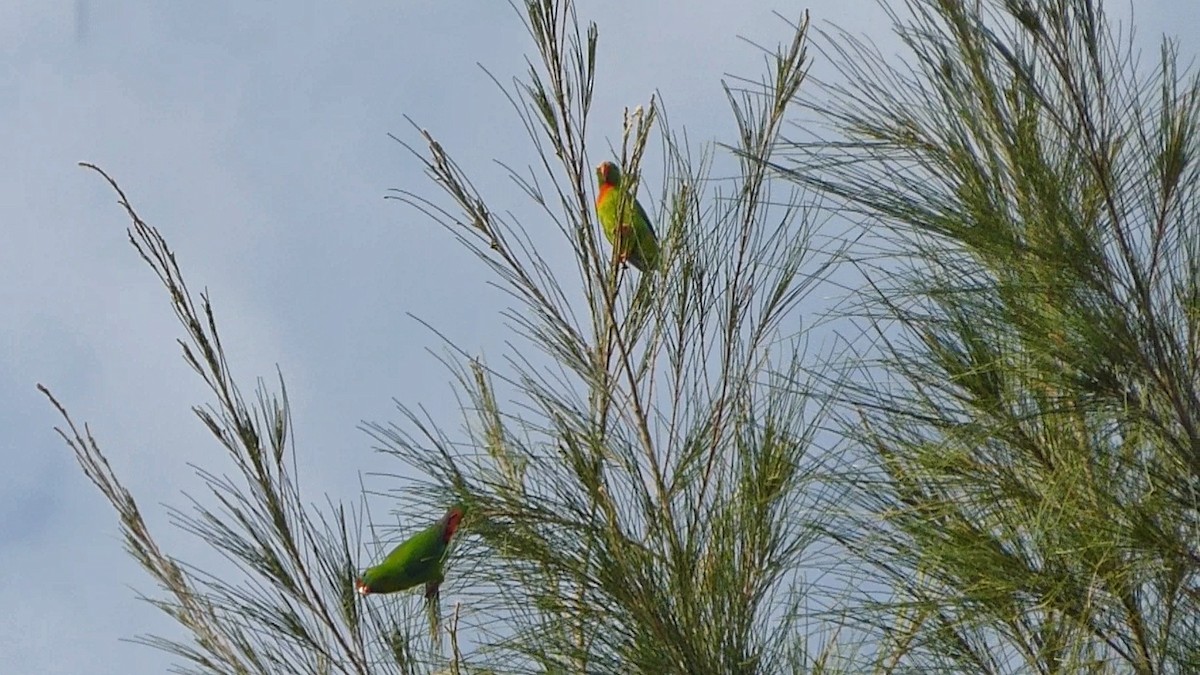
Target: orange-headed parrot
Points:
(624, 220)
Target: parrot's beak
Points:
(362, 588)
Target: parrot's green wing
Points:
(644, 253)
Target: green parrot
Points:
(630, 231)
(418, 560)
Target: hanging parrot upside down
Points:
(418, 560)
(629, 231)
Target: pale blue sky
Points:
(255, 136)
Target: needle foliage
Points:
(1026, 410)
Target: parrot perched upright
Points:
(630, 232)
(418, 560)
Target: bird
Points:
(418, 560)
(624, 221)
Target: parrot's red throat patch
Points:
(452, 520)
(604, 188)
